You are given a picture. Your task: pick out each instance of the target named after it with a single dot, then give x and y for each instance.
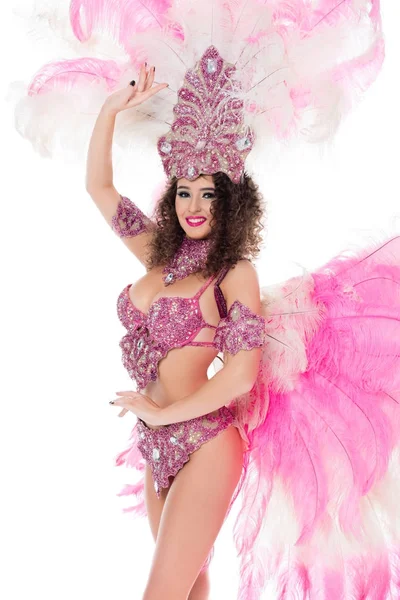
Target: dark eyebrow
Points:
(185, 187)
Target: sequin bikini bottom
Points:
(167, 448)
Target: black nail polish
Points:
(132, 83)
(111, 402)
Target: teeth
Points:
(195, 220)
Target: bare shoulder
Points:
(241, 283)
(242, 272)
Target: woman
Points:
(303, 419)
(197, 501)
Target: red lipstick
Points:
(195, 221)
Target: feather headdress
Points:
(299, 66)
(318, 516)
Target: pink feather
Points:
(331, 438)
(322, 423)
(67, 74)
(120, 18)
(327, 439)
(300, 75)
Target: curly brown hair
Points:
(237, 222)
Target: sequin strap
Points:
(219, 297)
(129, 220)
(204, 287)
(241, 329)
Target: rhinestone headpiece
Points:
(208, 133)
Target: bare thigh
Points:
(193, 513)
(154, 505)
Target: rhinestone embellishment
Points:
(242, 330)
(211, 65)
(140, 343)
(235, 314)
(189, 258)
(166, 460)
(243, 143)
(166, 147)
(129, 220)
(208, 133)
(201, 144)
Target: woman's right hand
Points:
(131, 96)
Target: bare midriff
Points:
(183, 370)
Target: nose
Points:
(194, 205)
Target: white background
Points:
(63, 531)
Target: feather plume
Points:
(324, 463)
(302, 65)
(318, 516)
(321, 425)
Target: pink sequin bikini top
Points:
(174, 322)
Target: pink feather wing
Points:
(316, 513)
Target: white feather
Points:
(276, 52)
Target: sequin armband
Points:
(129, 220)
(241, 329)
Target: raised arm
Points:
(125, 218)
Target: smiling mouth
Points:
(195, 221)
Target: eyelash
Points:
(206, 194)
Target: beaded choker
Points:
(189, 258)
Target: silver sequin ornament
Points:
(166, 147)
(211, 65)
(243, 143)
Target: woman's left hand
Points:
(142, 406)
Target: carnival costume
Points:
(319, 490)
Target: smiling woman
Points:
(303, 418)
(192, 205)
(233, 219)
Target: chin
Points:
(196, 233)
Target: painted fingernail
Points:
(132, 83)
(111, 402)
